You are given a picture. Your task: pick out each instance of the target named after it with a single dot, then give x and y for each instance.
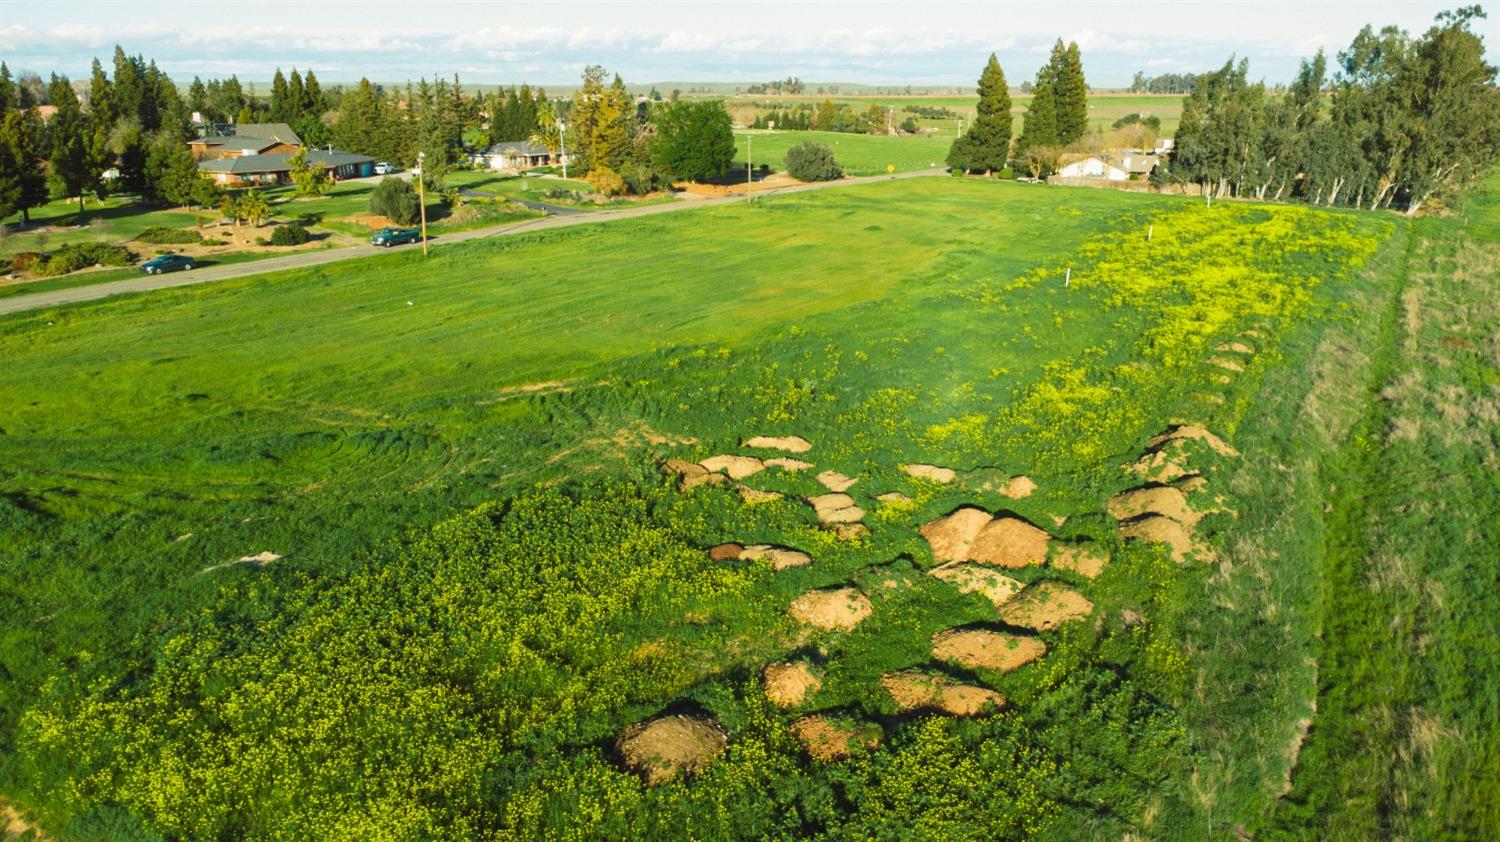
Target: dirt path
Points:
(145, 283)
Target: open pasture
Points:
(247, 553)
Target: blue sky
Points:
(919, 43)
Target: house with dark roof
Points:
(275, 167)
(513, 155)
(235, 141)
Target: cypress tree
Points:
(296, 97)
(1071, 93)
(312, 96)
(278, 97)
(69, 143)
(8, 96)
(986, 146)
(1040, 127)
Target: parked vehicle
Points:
(384, 168)
(395, 236)
(168, 263)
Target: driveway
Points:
(561, 218)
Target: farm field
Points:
(1104, 109)
(454, 514)
(858, 154)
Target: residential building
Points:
(274, 167)
(245, 139)
(513, 155)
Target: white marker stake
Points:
(1069, 279)
(1150, 229)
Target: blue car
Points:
(168, 263)
(395, 236)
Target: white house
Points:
(514, 155)
(1092, 167)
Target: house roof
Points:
(278, 162)
(1139, 163)
(516, 147)
(265, 134)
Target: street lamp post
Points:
(422, 196)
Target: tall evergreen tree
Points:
(986, 146)
(278, 112)
(68, 136)
(8, 96)
(22, 131)
(1071, 93)
(313, 101)
(1039, 129)
(296, 104)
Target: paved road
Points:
(145, 283)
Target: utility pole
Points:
(562, 130)
(422, 196)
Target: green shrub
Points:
(396, 200)
(262, 241)
(168, 236)
(812, 162)
(75, 256)
(289, 235)
(23, 261)
(209, 241)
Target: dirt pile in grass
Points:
(662, 748)
(786, 463)
(737, 467)
(893, 498)
(913, 690)
(981, 649)
(828, 740)
(973, 578)
(1227, 363)
(1193, 432)
(972, 534)
(790, 684)
(835, 481)
(1157, 529)
(839, 609)
(1154, 499)
(781, 558)
(790, 444)
(931, 473)
(753, 496)
(690, 475)
(991, 480)
(836, 508)
(1236, 347)
(1044, 606)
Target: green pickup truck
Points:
(395, 236)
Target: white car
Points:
(384, 168)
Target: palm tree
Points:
(253, 207)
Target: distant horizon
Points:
(890, 45)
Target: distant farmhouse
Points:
(513, 155)
(253, 154)
(1126, 166)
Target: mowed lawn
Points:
(858, 154)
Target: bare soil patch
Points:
(1197, 433)
(1045, 606)
(836, 508)
(932, 473)
(1227, 363)
(755, 495)
(835, 481)
(1163, 464)
(1236, 347)
(893, 498)
(1156, 529)
(913, 690)
(1009, 542)
(1155, 499)
(828, 741)
(690, 474)
(950, 537)
(989, 583)
(660, 749)
(981, 649)
(781, 558)
(791, 444)
(787, 463)
(851, 531)
(725, 552)
(737, 467)
(790, 684)
(839, 609)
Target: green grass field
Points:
(484, 576)
(858, 154)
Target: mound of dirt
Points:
(985, 581)
(828, 741)
(1226, 363)
(1045, 606)
(836, 508)
(838, 609)
(914, 690)
(932, 473)
(1189, 483)
(690, 474)
(1086, 560)
(980, 649)
(1009, 542)
(1193, 431)
(989, 479)
(791, 444)
(662, 748)
(786, 463)
(1018, 487)
(1155, 499)
(1156, 529)
(755, 495)
(851, 531)
(951, 536)
(1163, 464)
(737, 467)
(893, 498)
(789, 685)
(781, 558)
(835, 481)
(725, 552)
(1235, 347)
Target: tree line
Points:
(1404, 121)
